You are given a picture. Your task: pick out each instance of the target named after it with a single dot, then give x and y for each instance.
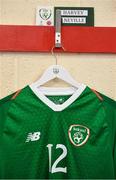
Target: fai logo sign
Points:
(45, 13)
(78, 134)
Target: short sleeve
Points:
(4, 107)
(115, 143)
(110, 106)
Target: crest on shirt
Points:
(78, 134)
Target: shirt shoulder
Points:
(108, 102)
(5, 104)
(110, 109)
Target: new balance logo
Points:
(33, 136)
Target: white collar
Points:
(52, 105)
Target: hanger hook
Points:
(52, 51)
(56, 70)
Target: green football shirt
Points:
(75, 142)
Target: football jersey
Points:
(77, 142)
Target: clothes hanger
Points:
(56, 71)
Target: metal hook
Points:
(56, 70)
(56, 61)
(52, 51)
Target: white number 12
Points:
(53, 168)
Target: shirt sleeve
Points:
(110, 106)
(4, 107)
(115, 143)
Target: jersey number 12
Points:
(53, 168)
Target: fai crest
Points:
(45, 13)
(78, 134)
